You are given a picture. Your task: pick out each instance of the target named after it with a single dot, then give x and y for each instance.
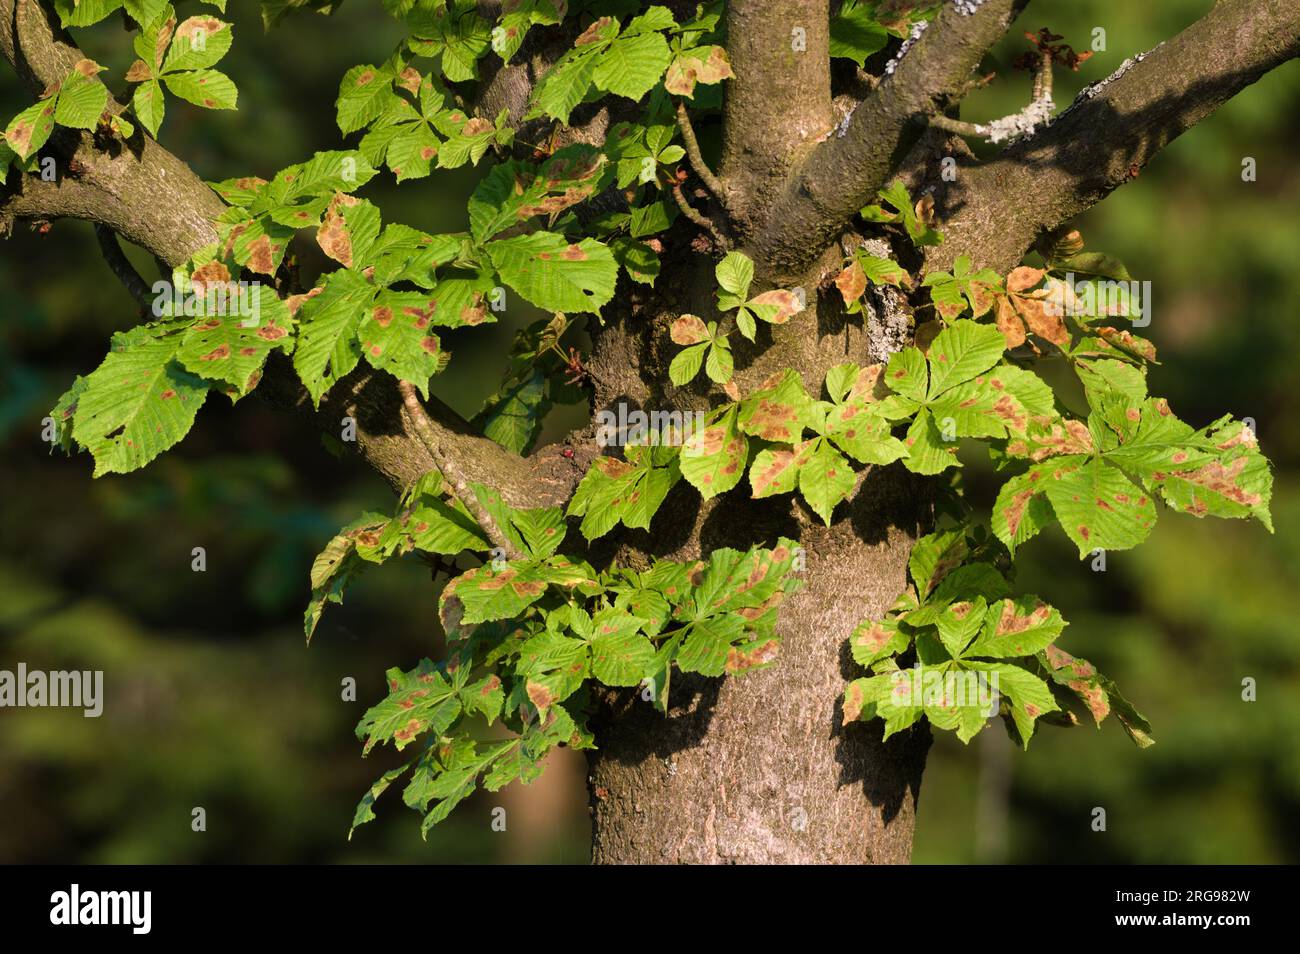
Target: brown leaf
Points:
(1049, 327)
(1023, 278)
(1009, 323)
(139, 72)
(852, 282)
(688, 330)
(786, 302)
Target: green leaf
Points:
(1020, 627)
(855, 35)
(776, 470)
(960, 352)
(825, 479)
(1029, 697)
(553, 273)
(1021, 510)
(365, 808)
(686, 364)
(418, 701)
(614, 491)
(619, 656)
(364, 93)
(1098, 507)
(708, 643)
(148, 105)
(395, 337)
(327, 333)
(514, 192)
(79, 13)
(713, 459)
(735, 273)
(81, 102)
(136, 404)
(874, 640)
(199, 43)
(231, 344)
(565, 85)
(210, 89)
(718, 365)
(632, 65)
(31, 128)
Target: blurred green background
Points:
(214, 702)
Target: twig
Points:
(1038, 111)
(698, 217)
(427, 431)
(122, 267)
(711, 181)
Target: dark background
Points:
(213, 700)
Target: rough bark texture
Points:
(759, 769)
(756, 768)
(780, 104)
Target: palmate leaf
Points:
(555, 274)
(138, 403)
(627, 492)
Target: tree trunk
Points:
(758, 768)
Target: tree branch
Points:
(153, 199)
(435, 440)
(779, 103)
(711, 182)
(1036, 113)
(996, 210)
(122, 267)
(844, 172)
(698, 217)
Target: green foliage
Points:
(528, 637)
(532, 629)
(958, 648)
(863, 27)
(77, 103)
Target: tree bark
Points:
(758, 768)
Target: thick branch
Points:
(843, 173)
(996, 211)
(150, 197)
(436, 440)
(779, 104)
